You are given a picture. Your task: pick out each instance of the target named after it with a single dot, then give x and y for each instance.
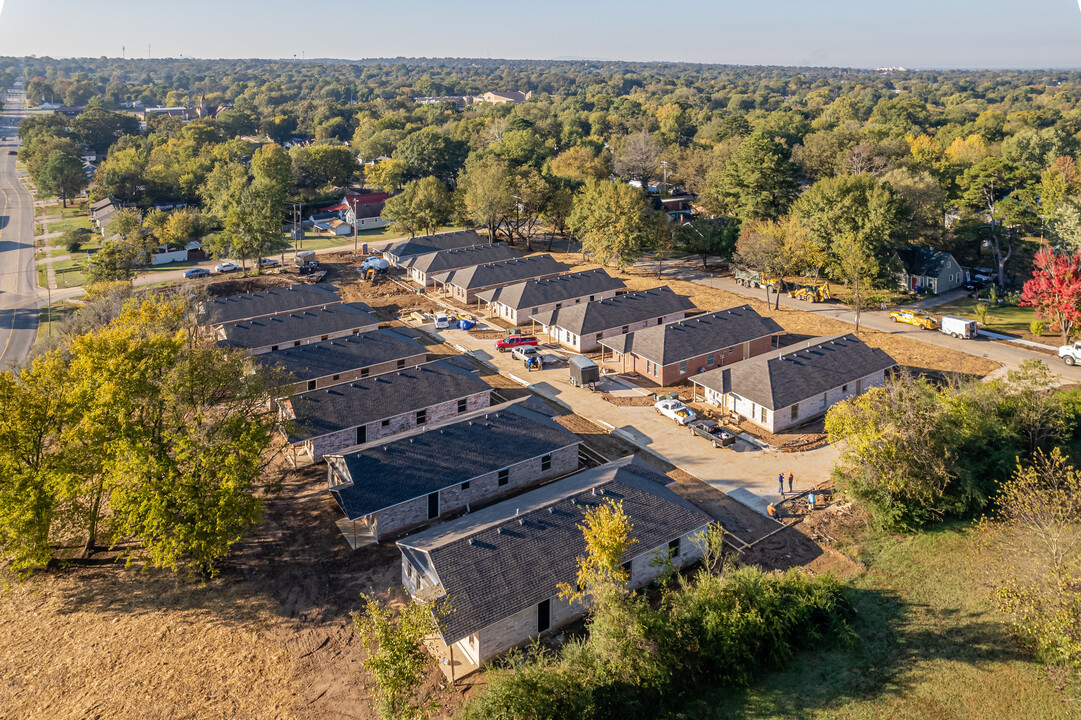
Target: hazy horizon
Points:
(831, 33)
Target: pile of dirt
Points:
(628, 400)
(243, 285)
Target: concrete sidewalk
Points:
(743, 466)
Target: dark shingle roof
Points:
(320, 412)
(779, 379)
(454, 258)
(385, 474)
(331, 357)
(554, 289)
(288, 326)
(692, 337)
(489, 575)
(504, 272)
(924, 261)
(266, 302)
(433, 243)
(600, 315)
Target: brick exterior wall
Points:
(308, 340)
(782, 419)
(359, 373)
(521, 315)
(521, 627)
(317, 447)
(591, 341)
(469, 296)
(483, 489)
(668, 375)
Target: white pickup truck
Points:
(1070, 354)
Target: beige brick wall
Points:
(482, 490)
(521, 315)
(338, 441)
(360, 373)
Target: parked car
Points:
(268, 262)
(524, 352)
(512, 341)
(907, 316)
(196, 272)
(226, 267)
(676, 410)
(972, 285)
(442, 321)
(713, 432)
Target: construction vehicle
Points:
(811, 292)
(747, 278)
(907, 316)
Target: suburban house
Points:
(300, 327)
(363, 211)
(381, 406)
(675, 351)
(333, 226)
(786, 388)
(581, 327)
(499, 568)
(422, 268)
(387, 488)
(322, 364)
(501, 98)
(424, 244)
(237, 308)
(466, 283)
(517, 303)
(929, 270)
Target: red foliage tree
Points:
(1055, 290)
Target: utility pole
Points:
(664, 164)
(356, 230)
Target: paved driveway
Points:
(744, 466)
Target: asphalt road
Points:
(18, 287)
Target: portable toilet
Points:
(583, 371)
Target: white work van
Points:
(958, 327)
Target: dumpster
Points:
(584, 372)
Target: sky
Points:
(849, 33)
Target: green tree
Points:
(760, 248)
(705, 238)
(253, 226)
(99, 129)
(272, 166)
(402, 212)
(608, 219)
(856, 264)
(984, 186)
(432, 203)
(485, 189)
(429, 152)
(757, 183)
(397, 658)
(386, 175)
(63, 175)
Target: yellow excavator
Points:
(812, 292)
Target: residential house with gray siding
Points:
(929, 270)
(382, 406)
(518, 302)
(582, 326)
(466, 283)
(786, 388)
(271, 333)
(385, 488)
(670, 353)
(423, 268)
(500, 568)
(397, 253)
(353, 357)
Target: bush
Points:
(73, 239)
(1036, 327)
(715, 629)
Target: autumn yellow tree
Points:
(1036, 538)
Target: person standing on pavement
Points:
(780, 483)
(789, 482)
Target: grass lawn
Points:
(69, 273)
(69, 224)
(53, 315)
(930, 647)
(1009, 319)
(43, 277)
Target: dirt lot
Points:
(905, 351)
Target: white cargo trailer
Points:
(958, 327)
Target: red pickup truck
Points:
(512, 341)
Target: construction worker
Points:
(789, 482)
(780, 483)
(811, 500)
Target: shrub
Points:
(73, 239)
(1036, 327)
